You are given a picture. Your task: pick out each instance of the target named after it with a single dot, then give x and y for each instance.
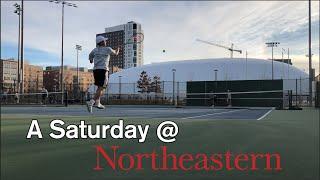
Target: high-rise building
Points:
(130, 55)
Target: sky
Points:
(171, 26)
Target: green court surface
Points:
(292, 134)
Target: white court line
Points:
(225, 112)
(263, 116)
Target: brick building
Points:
(33, 77)
(51, 76)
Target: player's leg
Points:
(99, 93)
(95, 100)
(99, 80)
(97, 97)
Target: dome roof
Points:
(203, 70)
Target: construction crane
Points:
(218, 45)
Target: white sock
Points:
(98, 101)
(92, 101)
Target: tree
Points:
(155, 85)
(144, 82)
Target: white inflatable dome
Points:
(204, 70)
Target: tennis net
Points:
(275, 98)
(51, 98)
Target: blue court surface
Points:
(149, 112)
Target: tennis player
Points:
(100, 57)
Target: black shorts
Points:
(101, 77)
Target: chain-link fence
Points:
(300, 91)
(162, 92)
(165, 92)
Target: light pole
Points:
(310, 57)
(21, 51)
(215, 79)
(272, 44)
(62, 23)
(246, 65)
(288, 64)
(78, 48)
(14, 85)
(18, 12)
(216, 74)
(283, 50)
(173, 85)
(311, 76)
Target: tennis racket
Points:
(136, 38)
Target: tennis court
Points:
(146, 112)
(289, 133)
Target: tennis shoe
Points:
(99, 106)
(89, 105)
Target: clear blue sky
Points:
(172, 26)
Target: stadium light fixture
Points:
(272, 45)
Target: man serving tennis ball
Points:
(100, 57)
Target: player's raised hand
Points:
(117, 51)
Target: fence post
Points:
(163, 92)
(290, 98)
(177, 102)
(66, 98)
